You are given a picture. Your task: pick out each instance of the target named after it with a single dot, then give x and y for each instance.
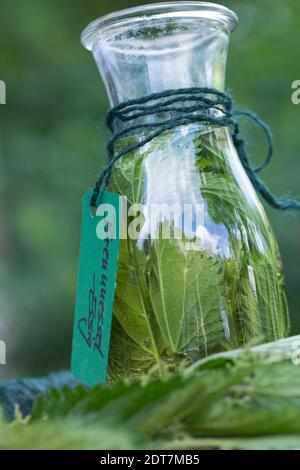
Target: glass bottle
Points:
(202, 274)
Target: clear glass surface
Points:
(203, 273)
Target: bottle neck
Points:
(154, 55)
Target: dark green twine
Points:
(185, 106)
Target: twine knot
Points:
(184, 106)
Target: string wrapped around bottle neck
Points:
(204, 105)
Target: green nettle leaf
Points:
(223, 199)
(127, 178)
(241, 292)
(131, 301)
(66, 434)
(280, 442)
(136, 341)
(256, 302)
(126, 356)
(185, 290)
(241, 399)
(178, 299)
(271, 299)
(253, 409)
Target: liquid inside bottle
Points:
(200, 270)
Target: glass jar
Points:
(202, 272)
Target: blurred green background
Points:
(52, 144)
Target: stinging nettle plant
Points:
(175, 303)
(176, 141)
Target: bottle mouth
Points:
(125, 18)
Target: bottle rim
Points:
(183, 9)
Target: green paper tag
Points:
(98, 262)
